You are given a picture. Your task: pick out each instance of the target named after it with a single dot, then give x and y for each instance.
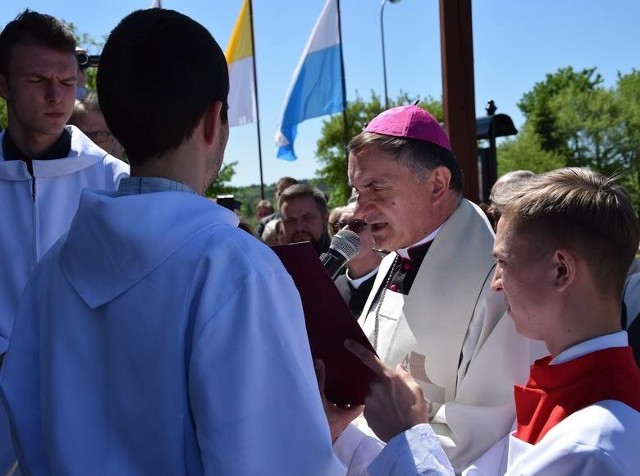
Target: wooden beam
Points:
(458, 96)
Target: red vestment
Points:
(554, 392)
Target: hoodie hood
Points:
(114, 242)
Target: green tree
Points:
(573, 120)
(628, 99)
(526, 153)
(331, 147)
(540, 108)
(220, 185)
(4, 118)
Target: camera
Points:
(86, 60)
(228, 201)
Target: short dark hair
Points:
(583, 210)
(159, 72)
(33, 28)
(286, 180)
(419, 156)
(301, 190)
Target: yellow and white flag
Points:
(242, 98)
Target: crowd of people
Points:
(143, 332)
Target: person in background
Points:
(88, 117)
(229, 202)
(303, 210)
(272, 234)
(81, 87)
(156, 337)
(263, 209)
(356, 283)
(563, 247)
(246, 226)
(501, 190)
(281, 185)
(431, 306)
(333, 226)
(44, 165)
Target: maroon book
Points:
(329, 322)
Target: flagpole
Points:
(255, 92)
(345, 122)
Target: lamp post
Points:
(384, 59)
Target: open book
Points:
(329, 322)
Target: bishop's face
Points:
(396, 203)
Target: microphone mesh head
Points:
(347, 243)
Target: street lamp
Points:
(384, 59)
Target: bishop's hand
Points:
(395, 401)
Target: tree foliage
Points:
(627, 95)
(4, 118)
(526, 153)
(220, 185)
(540, 109)
(331, 148)
(573, 120)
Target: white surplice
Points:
(36, 210)
(453, 332)
(600, 439)
(158, 338)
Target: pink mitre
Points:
(412, 122)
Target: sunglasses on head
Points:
(356, 225)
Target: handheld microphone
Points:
(344, 246)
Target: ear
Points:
(565, 268)
(441, 179)
(212, 122)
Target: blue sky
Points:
(516, 43)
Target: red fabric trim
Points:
(554, 392)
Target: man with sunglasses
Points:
(431, 307)
(356, 283)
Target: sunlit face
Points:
(95, 127)
(40, 91)
(302, 220)
(396, 203)
(525, 276)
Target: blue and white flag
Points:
(316, 87)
